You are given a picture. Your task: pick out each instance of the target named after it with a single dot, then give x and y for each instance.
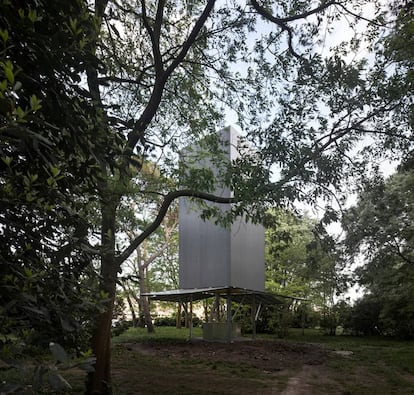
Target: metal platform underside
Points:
(238, 295)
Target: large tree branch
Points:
(155, 37)
(156, 96)
(192, 37)
(168, 199)
(158, 19)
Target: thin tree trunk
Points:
(205, 306)
(99, 382)
(178, 318)
(186, 316)
(143, 299)
(130, 304)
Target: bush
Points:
(172, 320)
(120, 327)
(165, 321)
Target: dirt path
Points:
(306, 381)
(298, 384)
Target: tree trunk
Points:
(178, 317)
(186, 316)
(99, 381)
(143, 299)
(130, 305)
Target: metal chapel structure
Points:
(216, 262)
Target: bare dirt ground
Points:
(261, 367)
(242, 367)
(268, 356)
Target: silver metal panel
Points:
(247, 255)
(211, 256)
(204, 251)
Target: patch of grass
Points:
(137, 373)
(162, 332)
(241, 370)
(376, 365)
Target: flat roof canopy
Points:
(238, 295)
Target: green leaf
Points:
(7, 160)
(8, 71)
(17, 86)
(57, 381)
(4, 34)
(35, 103)
(58, 352)
(32, 15)
(55, 171)
(3, 85)
(20, 114)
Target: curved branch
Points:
(168, 199)
(282, 21)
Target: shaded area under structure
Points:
(242, 296)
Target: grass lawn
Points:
(356, 365)
(166, 363)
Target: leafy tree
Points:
(379, 226)
(122, 83)
(398, 50)
(152, 250)
(303, 261)
(364, 316)
(47, 175)
(287, 238)
(379, 229)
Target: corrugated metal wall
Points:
(211, 256)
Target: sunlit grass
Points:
(161, 332)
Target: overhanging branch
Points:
(168, 199)
(150, 110)
(282, 21)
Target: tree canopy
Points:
(92, 93)
(380, 234)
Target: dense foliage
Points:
(302, 261)
(91, 94)
(380, 233)
(48, 174)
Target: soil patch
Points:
(181, 367)
(266, 355)
(252, 367)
